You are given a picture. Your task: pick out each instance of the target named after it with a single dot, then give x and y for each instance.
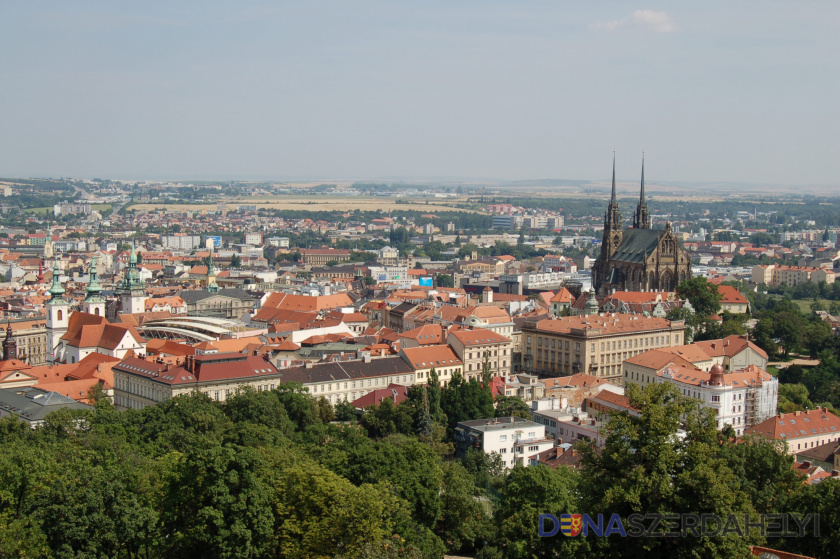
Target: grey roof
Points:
(196, 295)
(33, 404)
(636, 244)
(326, 372)
(497, 423)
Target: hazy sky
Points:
(744, 91)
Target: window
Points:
(502, 437)
(503, 451)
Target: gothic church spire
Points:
(641, 219)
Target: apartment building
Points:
(741, 398)
(144, 382)
(517, 441)
(441, 358)
(474, 346)
(320, 256)
(595, 344)
(350, 380)
(774, 275)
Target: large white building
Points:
(518, 441)
(181, 241)
(741, 398)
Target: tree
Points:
(235, 261)
(261, 407)
(387, 419)
(793, 397)
(791, 374)
(703, 296)
(817, 336)
(692, 321)
(217, 506)
(646, 466)
(787, 327)
(512, 406)
(527, 493)
(463, 401)
(444, 280)
(345, 411)
(461, 525)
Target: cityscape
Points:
(326, 349)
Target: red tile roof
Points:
(797, 425)
(729, 346)
(431, 356)
(731, 295)
(479, 336)
(88, 330)
(608, 324)
(208, 368)
(428, 334)
(396, 392)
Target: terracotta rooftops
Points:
(200, 368)
(797, 425)
(478, 337)
(731, 295)
(729, 346)
(607, 324)
(431, 356)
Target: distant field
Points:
(805, 305)
(40, 211)
(319, 203)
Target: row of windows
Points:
(379, 381)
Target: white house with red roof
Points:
(733, 300)
(88, 333)
(801, 429)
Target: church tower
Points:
(48, 244)
(9, 344)
(131, 292)
(212, 286)
(57, 315)
(641, 219)
(611, 239)
(612, 223)
(94, 303)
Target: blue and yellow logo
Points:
(570, 524)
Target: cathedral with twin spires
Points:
(638, 258)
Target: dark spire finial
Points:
(643, 176)
(613, 180)
(641, 220)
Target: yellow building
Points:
(596, 344)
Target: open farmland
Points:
(319, 202)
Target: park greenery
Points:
(280, 473)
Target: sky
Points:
(713, 91)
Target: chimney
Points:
(714, 345)
(806, 464)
